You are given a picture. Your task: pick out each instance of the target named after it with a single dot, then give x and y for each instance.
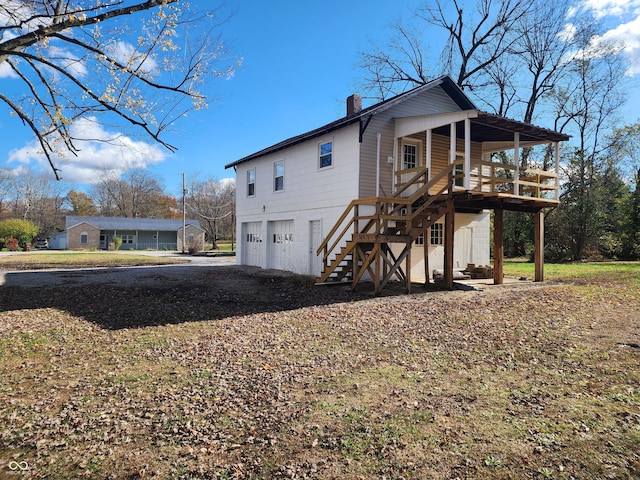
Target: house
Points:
(89, 233)
(392, 191)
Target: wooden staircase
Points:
(371, 226)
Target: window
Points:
(409, 156)
(254, 238)
(251, 182)
(437, 234)
(127, 239)
(458, 171)
(278, 176)
(84, 238)
(283, 238)
(420, 240)
(326, 154)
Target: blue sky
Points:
(299, 65)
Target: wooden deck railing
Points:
(493, 177)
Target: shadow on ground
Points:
(149, 296)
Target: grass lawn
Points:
(207, 381)
(67, 259)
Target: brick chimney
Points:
(354, 104)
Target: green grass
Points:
(578, 272)
(80, 259)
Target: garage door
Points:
(252, 243)
(281, 245)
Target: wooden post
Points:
(498, 247)
(539, 246)
(407, 274)
(426, 257)
(449, 220)
(376, 266)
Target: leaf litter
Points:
(254, 375)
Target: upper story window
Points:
(251, 182)
(278, 176)
(411, 152)
(326, 154)
(458, 171)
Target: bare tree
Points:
(135, 195)
(477, 38)
(587, 103)
(140, 64)
(38, 198)
(212, 202)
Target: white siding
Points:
(471, 245)
(309, 192)
(312, 194)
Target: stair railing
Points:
(385, 208)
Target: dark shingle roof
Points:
(445, 82)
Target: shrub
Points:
(21, 230)
(12, 243)
(117, 242)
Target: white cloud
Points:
(6, 71)
(607, 8)
(623, 19)
(627, 34)
(126, 54)
(102, 152)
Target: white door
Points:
(281, 245)
(252, 243)
(463, 247)
(315, 239)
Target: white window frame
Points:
(417, 144)
(420, 239)
(276, 176)
(459, 169)
(251, 173)
(322, 156)
(127, 239)
(436, 232)
(84, 238)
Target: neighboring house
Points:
(93, 233)
(383, 192)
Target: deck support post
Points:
(407, 272)
(539, 246)
(449, 220)
(426, 257)
(498, 246)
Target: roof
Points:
(494, 128)
(445, 82)
(123, 223)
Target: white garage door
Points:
(281, 245)
(252, 243)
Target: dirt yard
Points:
(232, 372)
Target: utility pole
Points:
(184, 214)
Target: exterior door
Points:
(252, 243)
(281, 245)
(103, 241)
(315, 239)
(463, 247)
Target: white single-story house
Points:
(97, 233)
(382, 192)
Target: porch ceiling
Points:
(493, 131)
